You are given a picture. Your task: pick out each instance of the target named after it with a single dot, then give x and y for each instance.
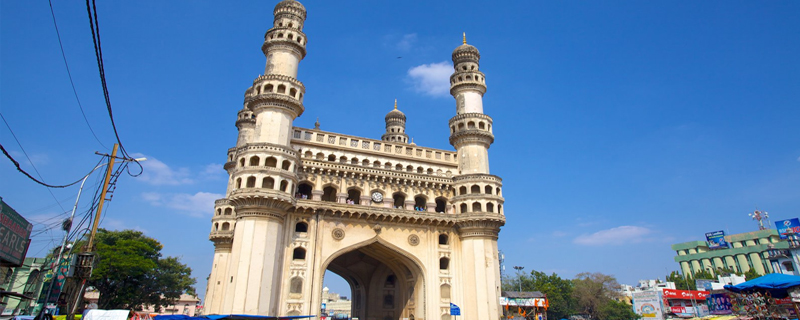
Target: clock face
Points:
(377, 196)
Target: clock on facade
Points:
(377, 196)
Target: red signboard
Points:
(685, 294)
(15, 234)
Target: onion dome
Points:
(395, 113)
(290, 4)
(466, 52)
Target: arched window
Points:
(293, 92)
(399, 200)
(226, 226)
(332, 158)
(365, 163)
(254, 161)
(308, 154)
(420, 203)
(441, 205)
(463, 208)
(299, 254)
(471, 125)
(251, 182)
(304, 191)
(281, 88)
(238, 183)
(481, 125)
(268, 183)
(390, 281)
(228, 211)
(498, 191)
(444, 263)
(219, 212)
(476, 207)
(487, 190)
(461, 126)
(329, 194)
(241, 162)
(301, 227)
(216, 227)
(499, 208)
(376, 164)
(296, 285)
(462, 190)
(430, 171)
(354, 196)
(443, 239)
(269, 88)
(320, 156)
(475, 189)
(490, 207)
(342, 159)
(410, 169)
(284, 185)
(399, 167)
(354, 161)
(271, 162)
(286, 165)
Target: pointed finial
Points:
(395, 104)
(465, 38)
(316, 124)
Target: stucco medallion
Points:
(337, 234)
(413, 240)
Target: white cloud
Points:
(798, 159)
(38, 159)
(199, 205)
(159, 173)
(114, 224)
(432, 79)
(213, 171)
(407, 41)
(615, 236)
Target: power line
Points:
(94, 24)
(69, 74)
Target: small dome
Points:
(466, 48)
(395, 114)
(291, 4)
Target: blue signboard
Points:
(788, 226)
(716, 240)
(454, 310)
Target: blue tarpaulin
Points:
(775, 283)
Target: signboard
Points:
(788, 226)
(716, 240)
(719, 303)
(704, 284)
(648, 304)
(15, 233)
(523, 302)
(454, 310)
(685, 294)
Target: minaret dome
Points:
(395, 126)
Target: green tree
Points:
(681, 283)
(593, 291)
(131, 272)
(704, 274)
(751, 274)
(615, 310)
(557, 290)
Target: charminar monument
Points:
(411, 229)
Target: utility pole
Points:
(519, 276)
(86, 259)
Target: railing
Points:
(353, 143)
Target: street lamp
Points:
(67, 226)
(519, 275)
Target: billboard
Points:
(716, 240)
(685, 294)
(719, 303)
(788, 226)
(15, 233)
(648, 304)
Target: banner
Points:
(685, 294)
(648, 305)
(719, 303)
(716, 240)
(788, 226)
(15, 234)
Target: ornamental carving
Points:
(337, 234)
(413, 240)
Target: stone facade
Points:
(411, 229)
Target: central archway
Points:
(385, 284)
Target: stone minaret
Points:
(245, 277)
(477, 199)
(395, 126)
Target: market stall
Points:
(773, 296)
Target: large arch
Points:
(367, 268)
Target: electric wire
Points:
(69, 74)
(94, 24)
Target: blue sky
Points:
(621, 127)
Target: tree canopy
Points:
(131, 273)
